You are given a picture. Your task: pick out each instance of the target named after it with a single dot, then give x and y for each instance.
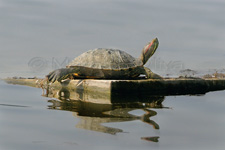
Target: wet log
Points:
(116, 91)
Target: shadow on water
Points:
(93, 115)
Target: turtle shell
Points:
(110, 59)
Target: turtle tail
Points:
(59, 74)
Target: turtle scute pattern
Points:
(101, 58)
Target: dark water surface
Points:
(31, 121)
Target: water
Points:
(191, 32)
(37, 36)
(31, 121)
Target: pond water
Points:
(31, 121)
(37, 36)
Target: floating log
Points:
(117, 91)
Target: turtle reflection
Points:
(92, 115)
(95, 109)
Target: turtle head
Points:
(149, 50)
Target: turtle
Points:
(103, 63)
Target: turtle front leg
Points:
(150, 75)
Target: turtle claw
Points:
(53, 76)
(59, 74)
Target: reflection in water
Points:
(93, 115)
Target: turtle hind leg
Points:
(150, 75)
(60, 74)
(51, 76)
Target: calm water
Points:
(37, 36)
(30, 121)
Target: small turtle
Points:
(103, 63)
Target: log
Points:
(117, 91)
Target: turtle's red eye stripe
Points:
(148, 47)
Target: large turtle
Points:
(103, 63)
